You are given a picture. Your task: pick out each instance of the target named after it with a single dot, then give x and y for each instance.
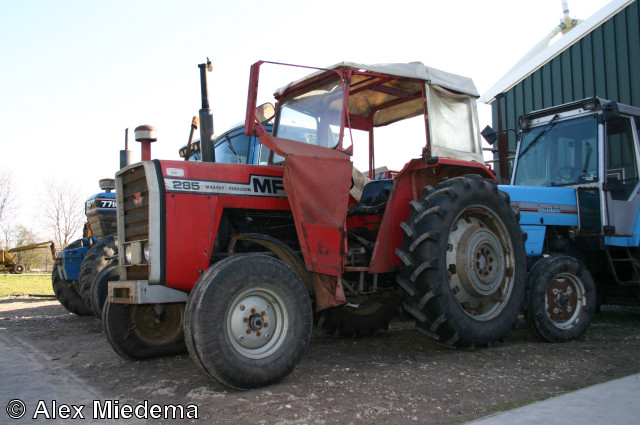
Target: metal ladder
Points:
(627, 260)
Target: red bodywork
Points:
(319, 211)
(195, 217)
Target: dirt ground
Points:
(398, 376)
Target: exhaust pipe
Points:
(126, 156)
(207, 149)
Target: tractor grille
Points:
(135, 193)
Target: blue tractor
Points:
(575, 184)
(81, 261)
(232, 147)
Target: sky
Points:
(75, 74)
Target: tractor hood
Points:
(540, 207)
(551, 206)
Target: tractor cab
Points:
(407, 116)
(348, 104)
(590, 146)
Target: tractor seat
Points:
(375, 195)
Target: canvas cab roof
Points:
(414, 70)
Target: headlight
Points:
(146, 252)
(127, 254)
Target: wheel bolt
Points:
(241, 308)
(248, 331)
(258, 333)
(262, 313)
(253, 310)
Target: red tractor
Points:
(232, 260)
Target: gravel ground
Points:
(398, 376)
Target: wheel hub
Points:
(481, 253)
(157, 324)
(563, 300)
(256, 323)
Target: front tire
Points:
(18, 269)
(248, 321)
(144, 331)
(561, 299)
(464, 263)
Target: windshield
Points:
(233, 150)
(314, 116)
(559, 154)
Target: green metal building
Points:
(599, 57)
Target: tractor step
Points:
(624, 265)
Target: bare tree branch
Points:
(62, 214)
(7, 197)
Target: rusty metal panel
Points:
(317, 181)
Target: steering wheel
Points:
(568, 173)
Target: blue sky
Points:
(75, 74)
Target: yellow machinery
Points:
(8, 262)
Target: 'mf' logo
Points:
(267, 185)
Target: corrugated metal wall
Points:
(604, 63)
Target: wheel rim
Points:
(480, 259)
(157, 324)
(565, 299)
(257, 323)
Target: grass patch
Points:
(25, 285)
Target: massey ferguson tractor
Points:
(232, 260)
(576, 185)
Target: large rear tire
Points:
(138, 332)
(464, 263)
(561, 299)
(94, 261)
(249, 321)
(67, 294)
